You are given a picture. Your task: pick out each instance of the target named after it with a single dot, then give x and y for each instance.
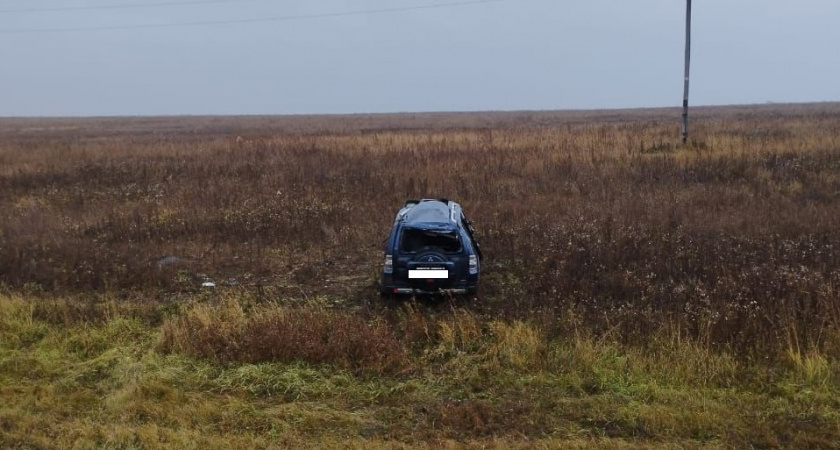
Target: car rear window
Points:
(415, 241)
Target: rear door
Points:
(432, 257)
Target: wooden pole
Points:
(687, 66)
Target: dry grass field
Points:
(636, 292)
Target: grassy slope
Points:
(119, 381)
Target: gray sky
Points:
(507, 55)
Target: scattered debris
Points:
(169, 260)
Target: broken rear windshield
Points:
(414, 241)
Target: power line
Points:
(254, 20)
(122, 6)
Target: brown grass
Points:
(225, 333)
(589, 221)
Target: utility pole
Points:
(687, 65)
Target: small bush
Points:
(225, 333)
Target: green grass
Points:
(122, 383)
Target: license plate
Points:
(428, 274)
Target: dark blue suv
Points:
(431, 250)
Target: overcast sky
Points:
(505, 55)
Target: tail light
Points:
(389, 264)
(473, 264)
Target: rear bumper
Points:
(391, 286)
(413, 291)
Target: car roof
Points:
(431, 213)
